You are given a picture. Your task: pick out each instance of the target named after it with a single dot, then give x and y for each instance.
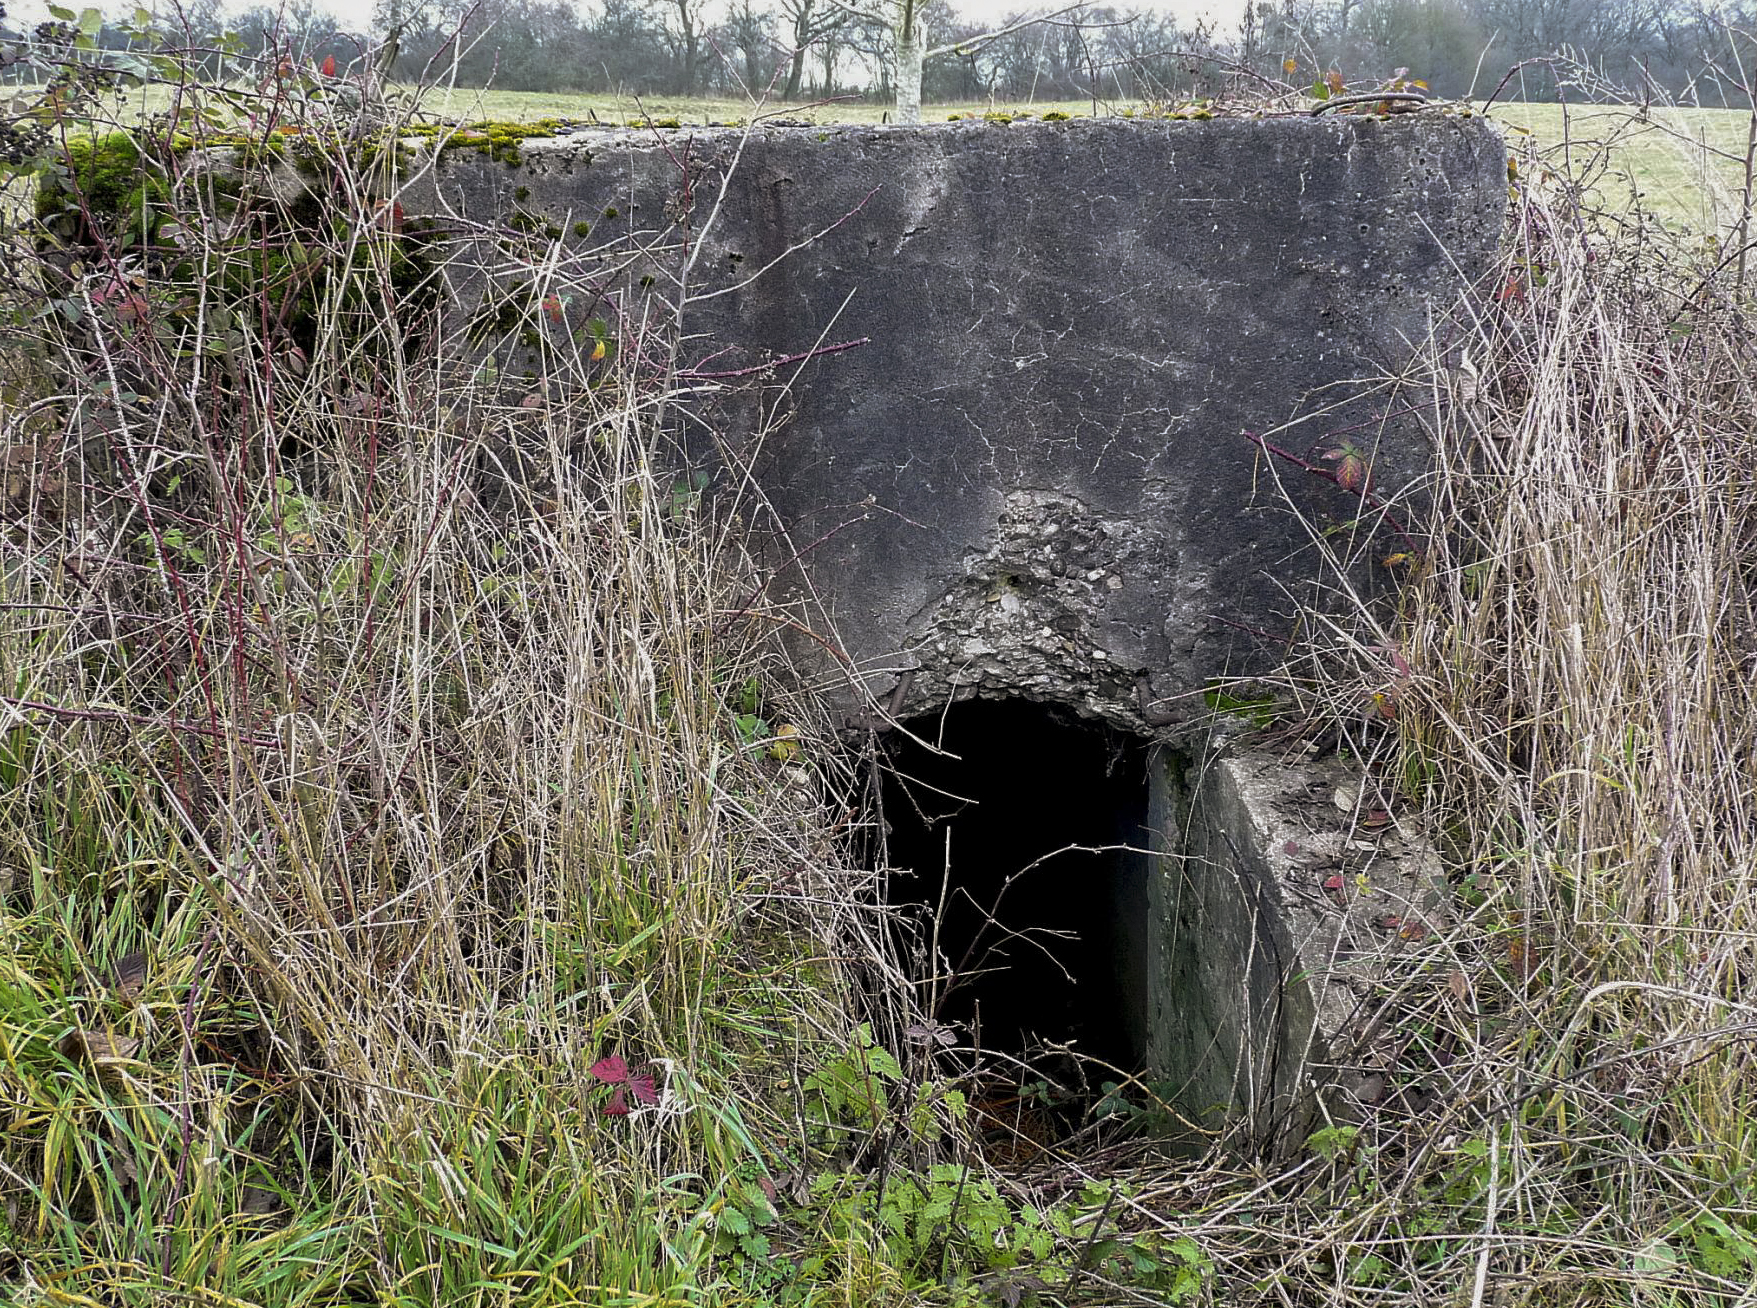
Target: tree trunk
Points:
(795, 74)
(911, 54)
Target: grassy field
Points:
(425, 882)
(1687, 165)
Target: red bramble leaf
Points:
(1353, 472)
(611, 1070)
(328, 68)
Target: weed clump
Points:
(1564, 690)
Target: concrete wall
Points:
(1275, 909)
(1030, 475)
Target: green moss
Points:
(107, 173)
(551, 232)
(522, 194)
(954, 118)
(1000, 120)
(610, 212)
(297, 265)
(498, 141)
(582, 229)
(1055, 116)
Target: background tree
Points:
(807, 22)
(684, 27)
(748, 36)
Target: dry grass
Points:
(379, 755)
(1566, 1116)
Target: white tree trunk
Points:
(911, 54)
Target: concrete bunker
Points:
(990, 393)
(989, 396)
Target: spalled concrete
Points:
(1284, 891)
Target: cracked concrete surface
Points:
(1030, 474)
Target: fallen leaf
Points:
(1458, 984)
(129, 975)
(107, 1053)
(1523, 957)
(1335, 888)
(786, 746)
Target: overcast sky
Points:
(355, 15)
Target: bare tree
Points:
(907, 21)
(685, 26)
(749, 33)
(808, 21)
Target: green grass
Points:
(1673, 161)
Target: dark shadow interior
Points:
(1017, 784)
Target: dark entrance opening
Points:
(1017, 843)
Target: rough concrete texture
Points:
(1029, 477)
(1284, 893)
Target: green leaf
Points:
(1656, 1257)
(1319, 90)
(61, 15)
(91, 21)
(734, 1221)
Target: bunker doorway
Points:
(1017, 847)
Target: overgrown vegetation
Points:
(423, 883)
